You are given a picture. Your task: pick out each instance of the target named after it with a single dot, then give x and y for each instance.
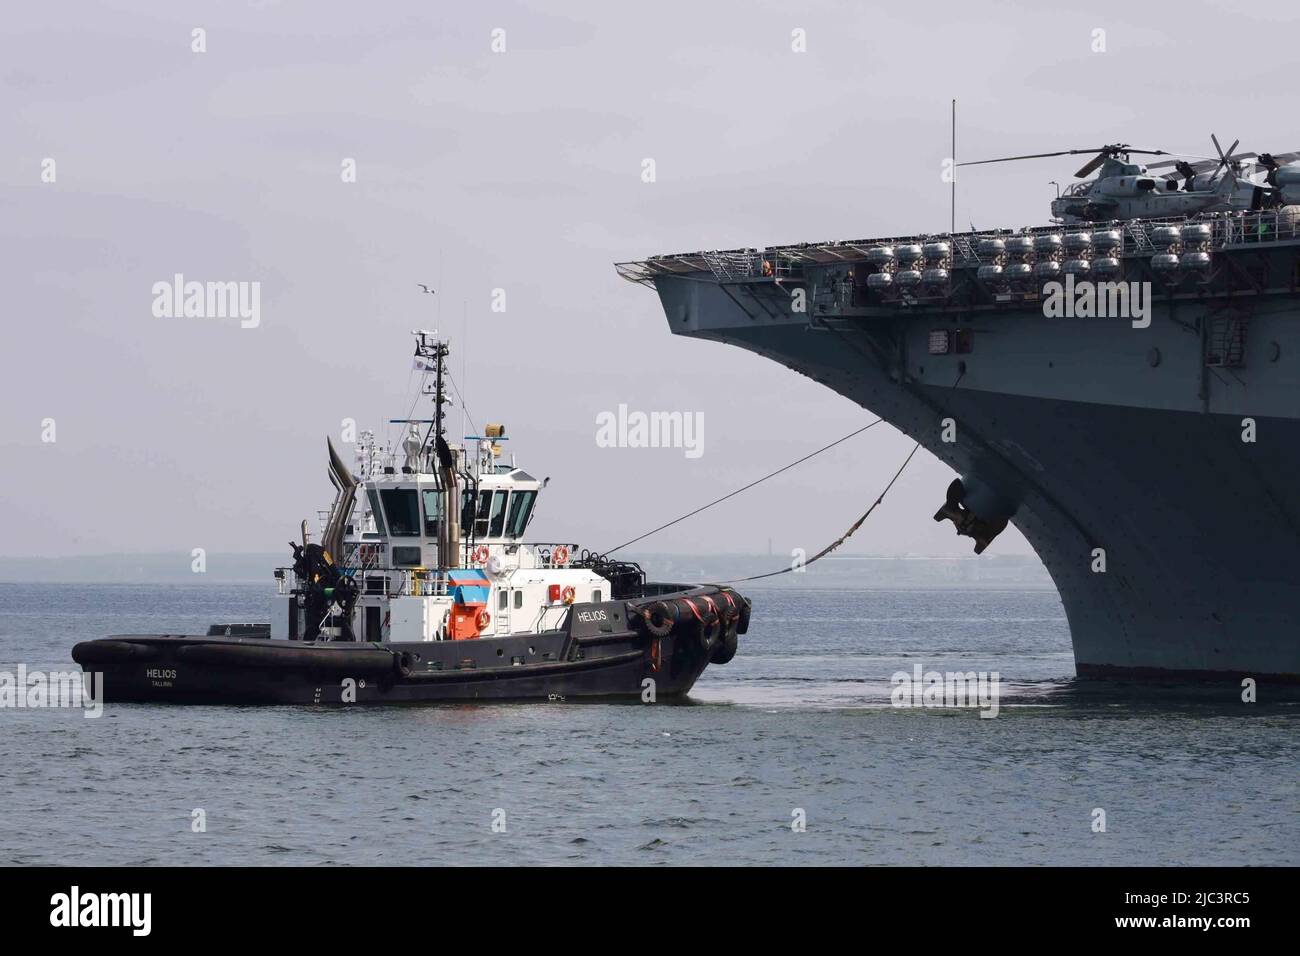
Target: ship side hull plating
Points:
(1107, 441)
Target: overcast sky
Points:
(518, 170)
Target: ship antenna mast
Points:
(435, 448)
(438, 396)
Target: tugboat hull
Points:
(608, 650)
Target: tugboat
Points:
(423, 588)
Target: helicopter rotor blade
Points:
(1102, 153)
(1092, 164)
(1116, 150)
(1197, 167)
(1007, 159)
(1227, 160)
(1194, 158)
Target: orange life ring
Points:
(560, 556)
(483, 619)
(568, 594)
(480, 554)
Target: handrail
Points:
(1229, 230)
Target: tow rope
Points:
(842, 538)
(834, 544)
(759, 481)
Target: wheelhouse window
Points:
(521, 506)
(499, 514)
(402, 511)
(484, 513)
(373, 496)
(432, 512)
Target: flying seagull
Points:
(425, 288)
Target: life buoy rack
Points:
(560, 556)
(480, 554)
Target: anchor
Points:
(968, 523)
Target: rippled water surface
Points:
(799, 721)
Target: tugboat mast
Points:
(439, 453)
(435, 447)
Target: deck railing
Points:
(1228, 231)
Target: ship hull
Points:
(619, 670)
(607, 650)
(1174, 542)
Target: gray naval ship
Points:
(1123, 385)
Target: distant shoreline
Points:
(852, 572)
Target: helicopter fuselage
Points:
(1127, 191)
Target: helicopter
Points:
(1123, 189)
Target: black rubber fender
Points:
(659, 619)
(726, 648)
(90, 653)
(403, 663)
(707, 608)
(743, 625)
(351, 661)
(709, 635)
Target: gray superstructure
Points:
(1100, 438)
